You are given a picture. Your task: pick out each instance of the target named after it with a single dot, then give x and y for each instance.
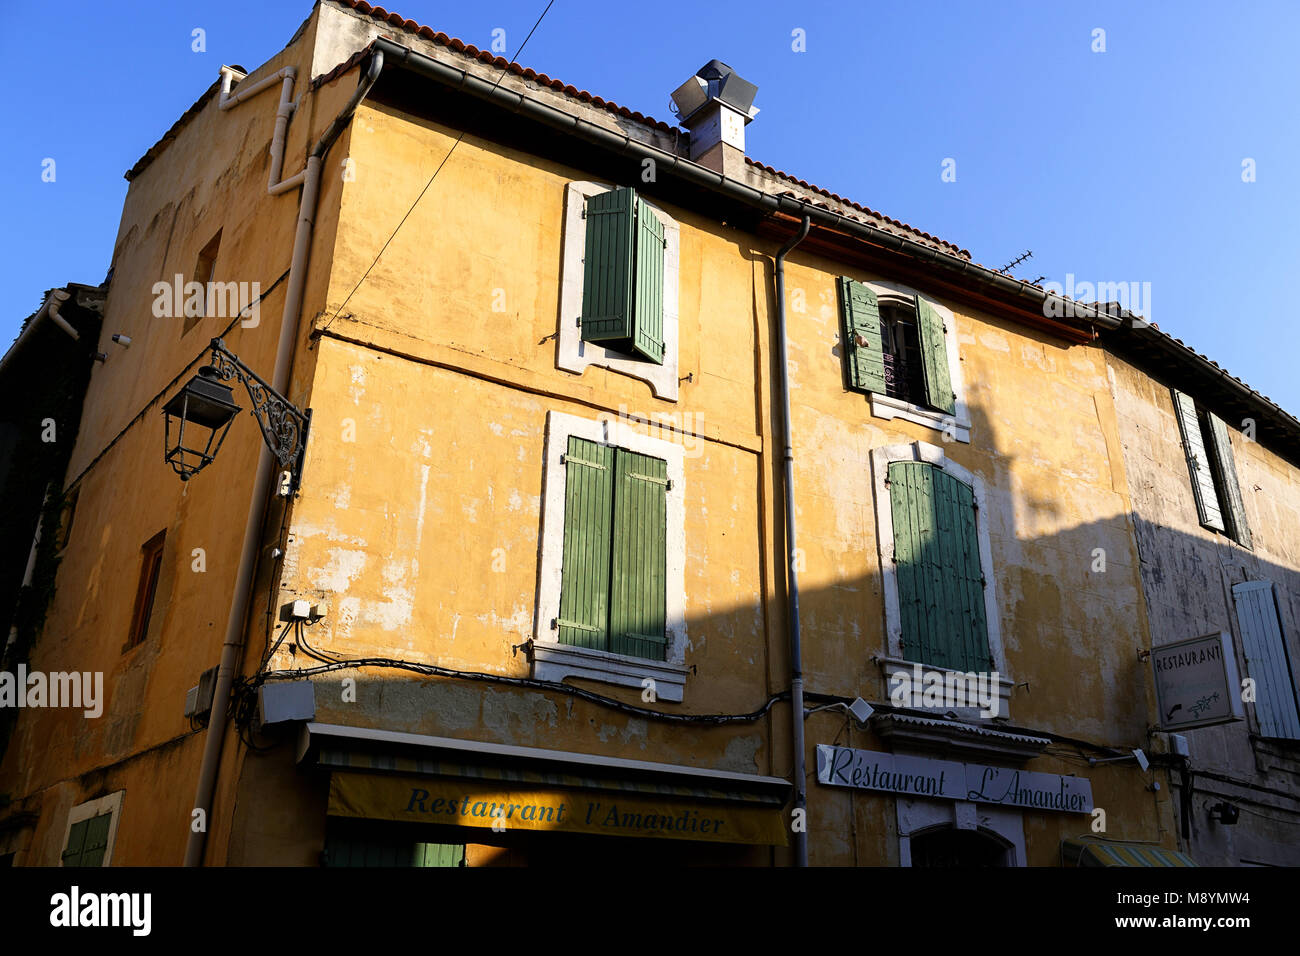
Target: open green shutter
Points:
(584, 587)
(1267, 660)
(648, 319)
(76, 841)
(936, 556)
(92, 854)
(1198, 462)
(1234, 507)
(864, 355)
(934, 358)
(623, 275)
(638, 614)
(608, 267)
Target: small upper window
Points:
(146, 589)
(904, 378)
(203, 270)
(1219, 503)
(897, 347)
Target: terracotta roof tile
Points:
(849, 202)
(543, 79)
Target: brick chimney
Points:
(716, 105)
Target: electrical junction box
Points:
(296, 611)
(198, 700)
(281, 701)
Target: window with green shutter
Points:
(937, 566)
(87, 841)
(899, 349)
(613, 575)
(623, 275)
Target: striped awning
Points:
(1107, 853)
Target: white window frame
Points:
(554, 661)
(893, 659)
(887, 407)
(111, 804)
(575, 355)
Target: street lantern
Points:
(201, 414)
(206, 407)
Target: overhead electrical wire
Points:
(408, 212)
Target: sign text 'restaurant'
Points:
(950, 780)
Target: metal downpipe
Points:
(234, 642)
(792, 575)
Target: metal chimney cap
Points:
(715, 80)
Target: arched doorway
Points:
(948, 846)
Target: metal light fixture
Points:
(206, 406)
(203, 408)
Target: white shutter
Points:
(1198, 462)
(1267, 660)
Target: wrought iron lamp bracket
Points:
(284, 426)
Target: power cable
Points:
(408, 212)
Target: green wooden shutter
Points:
(623, 275)
(1234, 506)
(934, 358)
(76, 840)
(860, 317)
(937, 564)
(588, 508)
(1267, 660)
(649, 316)
(608, 266)
(439, 854)
(1198, 462)
(638, 616)
(92, 854)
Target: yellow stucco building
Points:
(533, 598)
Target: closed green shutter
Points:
(649, 316)
(439, 854)
(934, 358)
(92, 854)
(87, 841)
(623, 275)
(638, 593)
(1267, 660)
(588, 507)
(1198, 462)
(358, 849)
(76, 840)
(1234, 507)
(937, 565)
(864, 361)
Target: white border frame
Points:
(111, 804)
(887, 407)
(554, 661)
(575, 355)
(916, 816)
(934, 455)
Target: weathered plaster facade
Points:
(420, 515)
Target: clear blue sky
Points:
(1122, 166)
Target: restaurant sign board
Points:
(1196, 682)
(951, 780)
